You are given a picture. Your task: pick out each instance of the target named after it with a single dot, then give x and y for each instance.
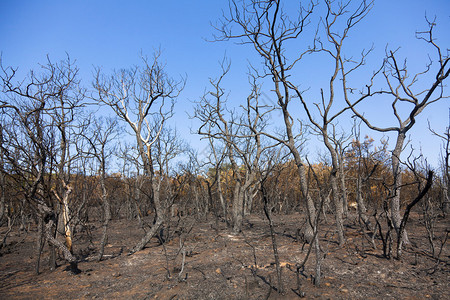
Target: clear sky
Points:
(111, 34)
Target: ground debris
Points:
(226, 267)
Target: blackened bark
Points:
(422, 193)
(267, 211)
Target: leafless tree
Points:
(143, 97)
(3, 209)
(240, 135)
(340, 142)
(269, 28)
(408, 101)
(41, 108)
(264, 26)
(424, 184)
(211, 112)
(66, 107)
(337, 13)
(270, 169)
(217, 155)
(167, 148)
(8, 215)
(101, 135)
(127, 158)
(365, 169)
(189, 177)
(445, 162)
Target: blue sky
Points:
(111, 34)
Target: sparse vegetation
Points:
(128, 207)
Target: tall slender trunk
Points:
(362, 210)
(446, 195)
(396, 189)
(310, 207)
(64, 202)
(159, 218)
(154, 196)
(64, 176)
(446, 189)
(249, 196)
(2, 189)
(66, 218)
(40, 243)
(338, 209)
(106, 215)
(223, 202)
(238, 206)
(2, 196)
(2, 179)
(343, 187)
(338, 205)
(267, 211)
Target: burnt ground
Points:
(219, 265)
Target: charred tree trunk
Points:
(66, 214)
(362, 210)
(222, 200)
(2, 181)
(396, 189)
(238, 207)
(158, 222)
(338, 205)
(310, 207)
(267, 212)
(49, 219)
(40, 243)
(106, 216)
(423, 192)
(343, 187)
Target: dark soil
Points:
(219, 265)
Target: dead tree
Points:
(271, 167)
(143, 98)
(265, 27)
(269, 28)
(408, 101)
(445, 166)
(168, 147)
(335, 38)
(37, 107)
(217, 155)
(239, 133)
(340, 143)
(253, 143)
(102, 133)
(366, 166)
(3, 207)
(422, 191)
(67, 132)
(211, 112)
